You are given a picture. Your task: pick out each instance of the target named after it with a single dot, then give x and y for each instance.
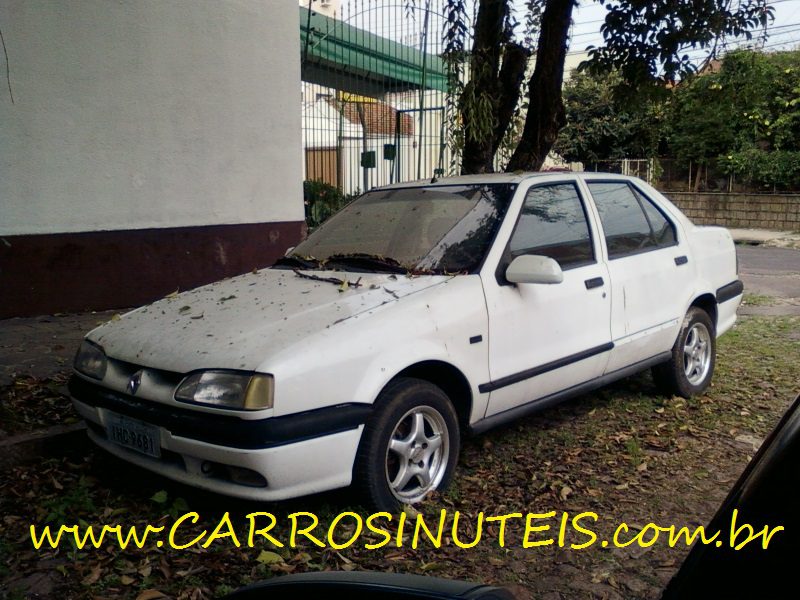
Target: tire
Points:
(409, 447)
(691, 366)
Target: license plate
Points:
(134, 434)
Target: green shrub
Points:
(321, 200)
(777, 169)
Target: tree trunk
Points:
(515, 60)
(497, 86)
(546, 115)
(484, 65)
(696, 185)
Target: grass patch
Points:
(757, 300)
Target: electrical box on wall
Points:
(368, 159)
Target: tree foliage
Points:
(321, 200)
(752, 100)
(642, 41)
(779, 169)
(741, 113)
(605, 121)
(746, 114)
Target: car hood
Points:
(239, 323)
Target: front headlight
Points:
(227, 389)
(91, 360)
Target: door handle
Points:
(681, 260)
(594, 282)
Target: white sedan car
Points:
(419, 313)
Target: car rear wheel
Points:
(691, 366)
(410, 445)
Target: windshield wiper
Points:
(367, 262)
(293, 261)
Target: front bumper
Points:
(282, 457)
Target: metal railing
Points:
(374, 93)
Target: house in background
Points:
(357, 143)
(373, 106)
(327, 8)
(141, 153)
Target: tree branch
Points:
(515, 60)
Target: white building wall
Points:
(328, 8)
(353, 175)
(133, 114)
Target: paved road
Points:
(43, 346)
(773, 272)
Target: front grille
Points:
(154, 384)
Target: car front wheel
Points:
(691, 366)
(410, 445)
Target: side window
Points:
(631, 222)
(663, 229)
(553, 223)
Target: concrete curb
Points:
(51, 442)
(758, 237)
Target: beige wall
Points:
(136, 114)
(756, 211)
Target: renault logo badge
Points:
(134, 382)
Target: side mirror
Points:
(531, 268)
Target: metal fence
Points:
(374, 93)
(376, 110)
(682, 176)
(643, 168)
(675, 175)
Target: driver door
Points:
(545, 338)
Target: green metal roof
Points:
(337, 55)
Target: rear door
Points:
(651, 280)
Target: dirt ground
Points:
(625, 453)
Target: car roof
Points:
(515, 177)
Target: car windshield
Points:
(432, 229)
